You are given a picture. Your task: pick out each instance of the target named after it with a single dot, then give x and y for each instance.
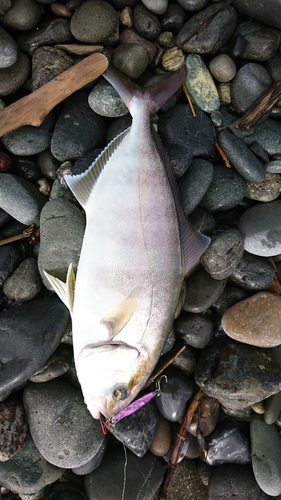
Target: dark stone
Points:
(173, 18)
(261, 42)
(268, 13)
(57, 364)
(104, 100)
(48, 63)
(84, 162)
(23, 15)
(185, 361)
(236, 46)
(233, 480)
(202, 220)
(13, 77)
(253, 273)
(94, 21)
(10, 256)
(195, 329)
(176, 390)
(146, 23)
(223, 254)
(131, 58)
(227, 444)
(25, 167)
(230, 296)
(47, 164)
(202, 291)
(56, 31)
(249, 84)
(8, 49)
(29, 335)
(194, 184)
(273, 66)
(13, 428)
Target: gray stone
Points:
(146, 23)
(273, 66)
(13, 77)
(222, 68)
(176, 390)
(8, 49)
(61, 426)
(249, 84)
(25, 282)
(10, 256)
(158, 7)
(192, 5)
(62, 229)
(268, 135)
(202, 220)
(56, 365)
(23, 15)
(233, 480)
(56, 31)
(131, 36)
(227, 444)
(195, 329)
(94, 21)
(223, 254)
(185, 361)
(230, 296)
(261, 42)
(131, 58)
(265, 191)
(268, 13)
(202, 290)
(194, 183)
(174, 17)
(105, 101)
(21, 199)
(272, 408)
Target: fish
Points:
(137, 249)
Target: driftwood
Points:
(33, 108)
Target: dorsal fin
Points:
(82, 184)
(193, 243)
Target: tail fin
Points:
(154, 96)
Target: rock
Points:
(48, 63)
(94, 21)
(131, 36)
(260, 226)
(105, 101)
(131, 58)
(253, 8)
(162, 439)
(10, 256)
(195, 329)
(29, 335)
(192, 5)
(223, 254)
(201, 291)
(266, 191)
(47, 164)
(23, 15)
(185, 361)
(273, 66)
(241, 157)
(176, 390)
(202, 221)
(272, 408)
(230, 296)
(227, 444)
(267, 135)
(253, 273)
(78, 129)
(238, 375)
(255, 321)
(200, 84)
(273, 167)
(236, 46)
(233, 480)
(13, 77)
(13, 428)
(173, 59)
(223, 68)
(194, 183)
(57, 364)
(56, 31)
(173, 18)
(62, 230)
(60, 424)
(25, 282)
(94, 462)
(261, 42)
(180, 157)
(266, 455)
(146, 23)
(249, 84)
(8, 49)
(158, 7)
(21, 199)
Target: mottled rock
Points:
(223, 254)
(25, 282)
(13, 428)
(94, 21)
(48, 63)
(253, 273)
(202, 291)
(105, 101)
(265, 191)
(227, 444)
(200, 84)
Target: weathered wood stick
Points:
(259, 108)
(33, 108)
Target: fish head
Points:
(111, 375)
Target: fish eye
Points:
(120, 393)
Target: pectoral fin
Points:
(65, 291)
(119, 316)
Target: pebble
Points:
(272, 408)
(126, 17)
(174, 17)
(161, 442)
(227, 444)
(131, 58)
(105, 101)
(131, 36)
(24, 166)
(13, 428)
(56, 31)
(236, 46)
(47, 164)
(223, 68)
(241, 158)
(10, 256)
(13, 77)
(230, 296)
(78, 129)
(195, 329)
(29, 335)
(180, 157)
(21, 199)
(158, 7)
(233, 480)
(23, 15)
(173, 59)
(108, 481)
(254, 9)
(166, 39)
(176, 390)
(62, 229)
(94, 21)
(94, 462)
(273, 167)
(265, 191)
(202, 291)
(61, 10)
(226, 190)
(261, 42)
(146, 23)
(237, 374)
(249, 84)
(192, 5)
(223, 254)
(273, 66)
(48, 63)
(185, 361)
(62, 428)
(57, 364)
(261, 229)
(8, 49)
(200, 84)
(266, 455)
(253, 273)
(224, 93)
(255, 320)
(212, 35)
(267, 135)
(202, 220)
(25, 282)
(194, 183)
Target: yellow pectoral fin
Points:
(65, 291)
(119, 316)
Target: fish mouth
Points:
(100, 346)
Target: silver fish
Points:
(137, 248)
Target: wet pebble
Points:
(146, 23)
(13, 428)
(261, 229)
(200, 84)
(236, 46)
(249, 84)
(194, 183)
(131, 58)
(173, 19)
(265, 191)
(61, 426)
(233, 480)
(253, 273)
(158, 7)
(8, 49)
(227, 444)
(223, 68)
(195, 329)
(47, 164)
(255, 320)
(25, 282)
(262, 42)
(176, 390)
(23, 15)
(105, 101)
(202, 220)
(273, 66)
(273, 167)
(223, 254)
(94, 21)
(56, 31)
(13, 77)
(202, 291)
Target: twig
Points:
(186, 93)
(25, 234)
(223, 155)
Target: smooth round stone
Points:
(105, 101)
(8, 49)
(241, 157)
(192, 5)
(27, 472)
(194, 184)
(230, 296)
(253, 273)
(195, 329)
(237, 374)
(158, 7)
(174, 17)
(212, 35)
(94, 462)
(185, 361)
(261, 42)
(249, 84)
(56, 31)
(23, 15)
(47, 164)
(29, 335)
(131, 36)
(94, 21)
(162, 440)
(178, 127)
(273, 66)
(166, 39)
(265, 191)
(48, 63)
(10, 256)
(57, 364)
(255, 321)
(272, 408)
(227, 444)
(13, 428)
(223, 254)
(222, 68)
(131, 58)
(25, 282)
(260, 226)
(226, 190)
(267, 135)
(78, 129)
(61, 426)
(266, 14)
(21, 199)
(266, 455)
(176, 390)
(233, 480)
(146, 23)
(137, 430)
(202, 291)
(143, 476)
(273, 167)
(13, 77)
(203, 221)
(236, 46)
(200, 84)
(62, 229)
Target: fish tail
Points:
(154, 97)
